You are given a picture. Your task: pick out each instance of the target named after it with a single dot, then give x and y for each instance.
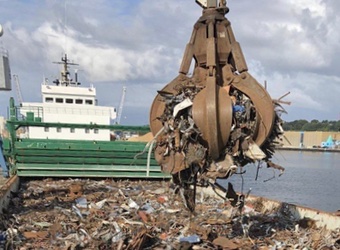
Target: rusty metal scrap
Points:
(107, 214)
(220, 118)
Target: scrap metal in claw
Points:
(218, 119)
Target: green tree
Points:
(310, 127)
(313, 125)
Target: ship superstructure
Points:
(66, 101)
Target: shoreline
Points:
(331, 150)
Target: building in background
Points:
(309, 139)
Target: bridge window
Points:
(79, 101)
(46, 129)
(95, 131)
(69, 100)
(87, 131)
(48, 99)
(59, 100)
(59, 130)
(72, 130)
(90, 102)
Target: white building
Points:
(68, 102)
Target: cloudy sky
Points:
(294, 45)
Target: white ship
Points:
(67, 102)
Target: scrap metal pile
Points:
(210, 124)
(91, 214)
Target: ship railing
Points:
(34, 112)
(29, 113)
(76, 111)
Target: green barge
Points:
(28, 157)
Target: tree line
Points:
(313, 125)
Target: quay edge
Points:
(330, 150)
(322, 219)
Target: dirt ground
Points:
(109, 214)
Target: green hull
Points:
(68, 158)
(77, 158)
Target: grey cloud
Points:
(141, 43)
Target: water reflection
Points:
(311, 179)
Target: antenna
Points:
(65, 27)
(120, 110)
(65, 74)
(18, 88)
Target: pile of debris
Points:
(110, 214)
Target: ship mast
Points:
(65, 78)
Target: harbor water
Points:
(311, 179)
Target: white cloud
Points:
(315, 7)
(294, 45)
